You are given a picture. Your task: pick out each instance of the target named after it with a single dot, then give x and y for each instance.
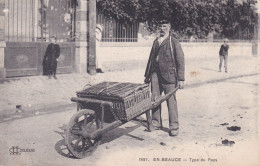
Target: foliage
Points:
(122, 10)
(187, 17)
(238, 20)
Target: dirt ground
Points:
(205, 113)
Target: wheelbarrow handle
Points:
(161, 99)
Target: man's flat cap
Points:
(164, 22)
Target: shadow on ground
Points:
(210, 69)
(110, 136)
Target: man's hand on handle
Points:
(181, 84)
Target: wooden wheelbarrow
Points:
(98, 113)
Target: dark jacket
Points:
(223, 50)
(52, 52)
(161, 60)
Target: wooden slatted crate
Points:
(129, 99)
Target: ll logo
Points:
(14, 150)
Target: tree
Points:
(187, 17)
(122, 10)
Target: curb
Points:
(194, 85)
(15, 114)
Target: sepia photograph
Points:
(129, 82)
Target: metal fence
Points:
(19, 20)
(37, 20)
(114, 31)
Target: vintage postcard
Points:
(129, 82)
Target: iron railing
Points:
(19, 20)
(114, 31)
(37, 20)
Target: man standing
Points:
(165, 71)
(223, 55)
(52, 56)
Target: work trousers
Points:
(158, 86)
(221, 58)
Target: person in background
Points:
(99, 30)
(52, 57)
(223, 55)
(165, 71)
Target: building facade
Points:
(25, 34)
(27, 25)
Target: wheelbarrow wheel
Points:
(83, 120)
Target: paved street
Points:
(211, 102)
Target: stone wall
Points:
(120, 56)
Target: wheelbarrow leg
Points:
(149, 120)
